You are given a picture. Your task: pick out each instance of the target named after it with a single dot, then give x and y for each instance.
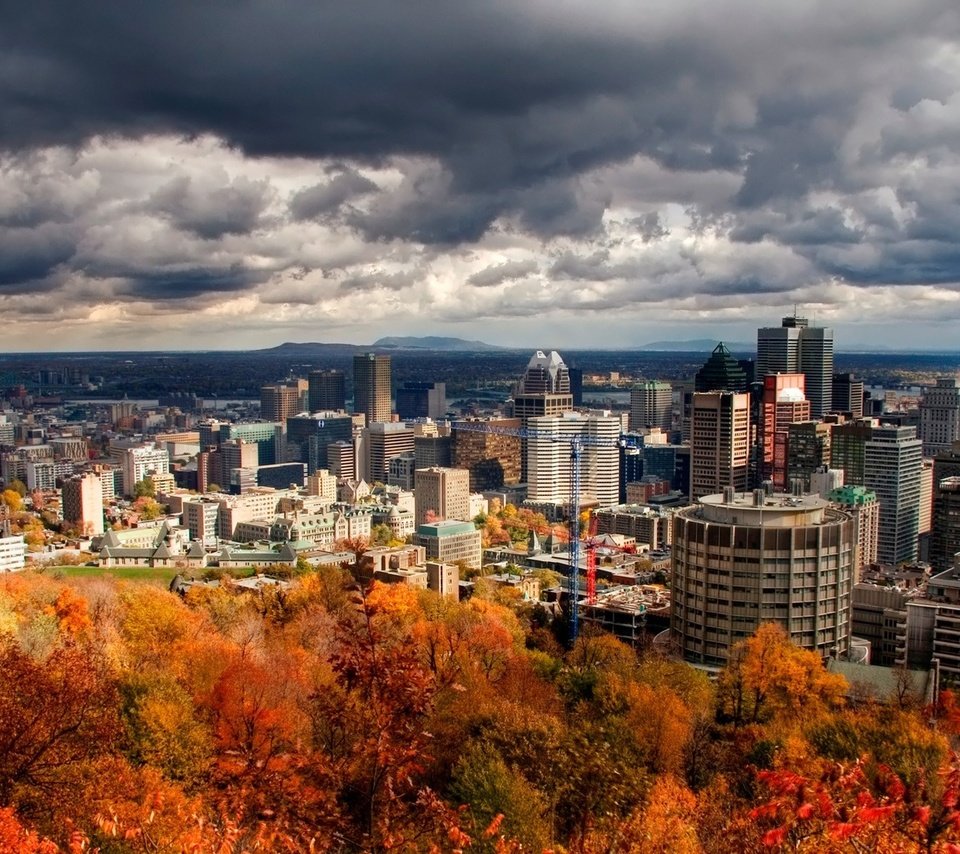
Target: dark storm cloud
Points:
(186, 283)
(792, 142)
(505, 98)
(29, 256)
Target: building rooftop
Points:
(767, 510)
(446, 528)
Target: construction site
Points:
(633, 613)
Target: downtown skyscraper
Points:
(795, 347)
(371, 386)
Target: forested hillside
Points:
(330, 718)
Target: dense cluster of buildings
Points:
(760, 490)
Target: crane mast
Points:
(577, 444)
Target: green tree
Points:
(145, 488)
(484, 782)
(381, 535)
(18, 486)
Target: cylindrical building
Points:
(742, 559)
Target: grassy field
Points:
(154, 575)
(160, 575)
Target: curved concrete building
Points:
(741, 559)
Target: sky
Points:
(234, 174)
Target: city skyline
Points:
(305, 172)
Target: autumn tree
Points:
(12, 499)
(370, 725)
(768, 675)
(148, 508)
(56, 716)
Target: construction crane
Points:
(590, 546)
(577, 443)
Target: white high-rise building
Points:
(139, 460)
(891, 468)
(940, 416)
(549, 473)
(13, 551)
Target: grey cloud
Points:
(500, 273)
(381, 281)
(513, 120)
(650, 228)
(489, 90)
(319, 199)
(211, 212)
(185, 283)
(29, 256)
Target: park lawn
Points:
(161, 575)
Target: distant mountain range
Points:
(429, 342)
(308, 348)
(698, 345)
(434, 342)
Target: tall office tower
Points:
(236, 454)
(926, 500)
(371, 386)
(326, 391)
(280, 401)
(308, 437)
(422, 400)
(816, 364)
(863, 505)
(493, 459)
(433, 451)
(940, 416)
(631, 464)
(946, 496)
(743, 559)
(342, 460)
(442, 492)
(848, 395)
(83, 503)
(549, 462)
(892, 470)
(945, 536)
(796, 347)
(720, 442)
(721, 372)
(651, 405)
(778, 347)
(847, 444)
(576, 385)
(543, 390)
(386, 440)
(807, 451)
(782, 403)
